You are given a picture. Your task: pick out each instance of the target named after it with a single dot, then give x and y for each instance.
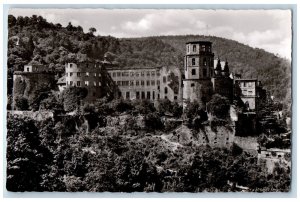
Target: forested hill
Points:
(34, 40)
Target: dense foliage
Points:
(107, 148)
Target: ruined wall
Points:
(223, 86)
(246, 143)
(87, 75)
(32, 81)
(197, 90)
(37, 115)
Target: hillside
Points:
(34, 40)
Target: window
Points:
(152, 73)
(87, 74)
(164, 79)
(71, 65)
(148, 73)
(127, 95)
(204, 62)
(131, 83)
(78, 83)
(78, 74)
(95, 74)
(193, 71)
(137, 95)
(71, 83)
(158, 87)
(95, 84)
(118, 73)
(148, 95)
(86, 83)
(142, 73)
(120, 94)
(152, 83)
(209, 49)
(137, 74)
(137, 83)
(27, 69)
(158, 82)
(204, 73)
(143, 95)
(193, 62)
(203, 48)
(99, 83)
(192, 84)
(148, 83)
(175, 97)
(188, 48)
(166, 90)
(142, 83)
(114, 74)
(71, 74)
(194, 48)
(244, 84)
(99, 75)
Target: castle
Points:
(200, 78)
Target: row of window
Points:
(204, 71)
(137, 83)
(204, 63)
(202, 48)
(143, 95)
(247, 84)
(85, 83)
(137, 74)
(86, 74)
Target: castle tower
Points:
(198, 71)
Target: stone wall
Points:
(32, 81)
(197, 90)
(246, 143)
(37, 115)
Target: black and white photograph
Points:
(149, 100)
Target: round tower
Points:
(198, 71)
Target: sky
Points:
(267, 29)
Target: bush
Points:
(72, 97)
(21, 103)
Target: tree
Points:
(27, 160)
(92, 30)
(11, 21)
(72, 97)
(219, 106)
